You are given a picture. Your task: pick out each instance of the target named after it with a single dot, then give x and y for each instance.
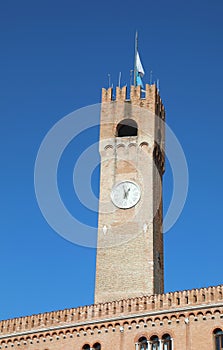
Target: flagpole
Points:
(136, 49)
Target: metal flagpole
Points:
(119, 79)
(151, 77)
(136, 50)
(131, 71)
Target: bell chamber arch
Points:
(127, 127)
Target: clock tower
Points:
(130, 239)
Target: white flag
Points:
(139, 66)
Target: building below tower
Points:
(186, 320)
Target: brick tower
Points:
(130, 253)
(130, 240)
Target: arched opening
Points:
(97, 346)
(127, 127)
(218, 334)
(154, 341)
(86, 347)
(167, 342)
(143, 343)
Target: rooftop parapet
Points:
(203, 297)
(148, 98)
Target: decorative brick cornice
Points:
(122, 309)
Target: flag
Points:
(139, 80)
(139, 66)
(139, 71)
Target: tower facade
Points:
(130, 240)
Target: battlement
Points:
(161, 302)
(148, 98)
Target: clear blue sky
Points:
(55, 58)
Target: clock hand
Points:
(126, 193)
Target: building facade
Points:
(187, 320)
(131, 311)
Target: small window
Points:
(167, 343)
(97, 346)
(127, 127)
(143, 344)
(86, 347)
(218, 334)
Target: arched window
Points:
(97, 346)
(143, 344)
(167, 343)
(154, 341)
(86, 347)
(218, 334)
(127, 127)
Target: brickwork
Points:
(129, 277)
(130, 253)
(189, 317)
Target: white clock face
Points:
(125, 194)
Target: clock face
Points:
(125, 194)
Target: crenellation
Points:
(152, 99)
(140, 321)
(151, 92)
(135, 94)
(121, 94)
(106, 95)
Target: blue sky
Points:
(55, 58)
